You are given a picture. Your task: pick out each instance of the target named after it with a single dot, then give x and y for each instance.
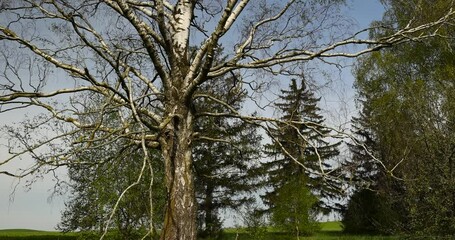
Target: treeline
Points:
(405, 154)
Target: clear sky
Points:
(33, 209)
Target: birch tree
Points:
(137, 55)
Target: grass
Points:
(329, 231)
(10, 234)
(28, 234)
(331, 227)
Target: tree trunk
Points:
(180, 215)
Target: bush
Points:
(369, 213)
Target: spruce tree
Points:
(374, 206)
(362, 169)
(225, 169)
(300, 117)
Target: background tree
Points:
(137, 56)
(294, 210)
(99, 182)
(226, 159)
(408, 95)
(306, 153)
(95, 189)
(374, 206)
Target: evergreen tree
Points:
(301, 117)
(362, 169)
(372, 208)
(225, 169)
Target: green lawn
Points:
(27, 234)
(329, 231)
(10, 234)
(331, 227)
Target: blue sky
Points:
(34, 209)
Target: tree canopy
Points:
(406, 122)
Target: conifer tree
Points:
(225, 169)
(298, 104)
(362, 169)
(374, 206)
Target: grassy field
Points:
(331, 227)
(10, 234)
(329, 231)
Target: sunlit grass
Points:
(10, 234)
(329, 231)
(331, 226)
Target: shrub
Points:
(369, 213)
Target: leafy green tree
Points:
(408, 95)
(105, 192)
(295, 210)
(95, 190)
(307, 152)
